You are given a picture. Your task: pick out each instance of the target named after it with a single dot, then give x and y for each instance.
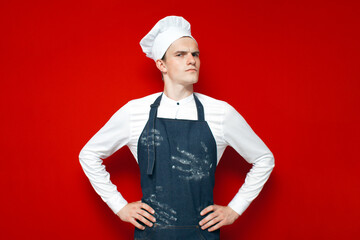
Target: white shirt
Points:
(226, 124)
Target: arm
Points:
(239, 135)
(111, 137)
(242, 138)
(115, 134)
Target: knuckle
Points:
(142, 219)
(139, 217)
(145, 213)
(135, 223)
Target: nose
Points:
(191, 59)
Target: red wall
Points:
(291, 68)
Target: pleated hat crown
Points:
(163, 34)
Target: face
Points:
(182, 63)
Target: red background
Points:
(291, 68)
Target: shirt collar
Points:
(168, 101)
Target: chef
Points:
(177, 137)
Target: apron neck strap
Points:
(150, 135)
(200, 109)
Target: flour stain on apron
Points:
(191, 167)
(163, 212)
(154, 138)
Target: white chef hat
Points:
(163, 34)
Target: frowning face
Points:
(181, 64)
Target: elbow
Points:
(271, 161)
(88, 159)
(82, 157)
(267, 161)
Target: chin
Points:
(194, 80)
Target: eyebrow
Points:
(186, 52)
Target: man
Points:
(177, 138)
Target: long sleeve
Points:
(111, 137)
(239, 135)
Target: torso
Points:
(214, 114)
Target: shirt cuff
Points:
(239, 205)
(116, 203)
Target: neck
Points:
(178, 92)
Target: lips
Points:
(191, 70)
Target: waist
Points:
(178, 232)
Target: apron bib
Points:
(177, 160)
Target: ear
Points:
(160, 64)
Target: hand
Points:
(136, 211)
(220, 216)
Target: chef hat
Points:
(163, 34)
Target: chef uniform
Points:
(177, 157)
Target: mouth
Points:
(191, 70)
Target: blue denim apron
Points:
(177, 160)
